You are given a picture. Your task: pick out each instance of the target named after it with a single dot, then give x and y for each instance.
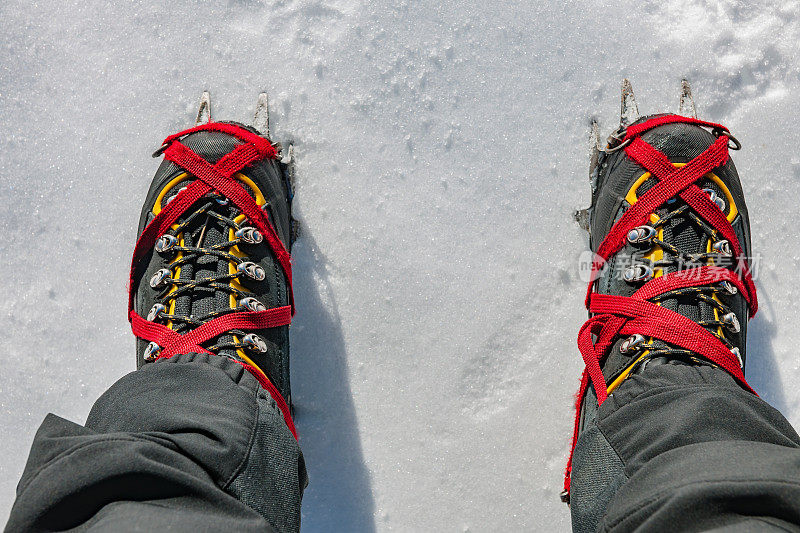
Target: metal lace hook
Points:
(617, 147)
(733, 142)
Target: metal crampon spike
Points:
(581, 216)
(687, 108)
(261, 119)
(288, 161)
(594, 146)
(204, 112)
(289, 165)
(628, 111)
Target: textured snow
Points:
(442, 148)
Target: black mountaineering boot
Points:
(211, 271)
(671, 279)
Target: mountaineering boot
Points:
(674, 239)
(211, 270)
(671, 281)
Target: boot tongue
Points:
(203, 300)
(206, 299)
(683, 233)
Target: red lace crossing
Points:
(614, 316)
(214, 178)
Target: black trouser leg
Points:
(684, 448)
(191, 443)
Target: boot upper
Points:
(687, 241)
(213, 261)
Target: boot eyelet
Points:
(249, 235)
(168, 200)
(155, 311)
(731, 322)
(638, 272)
(254, 342)
(712, 194)
(252, 270)
(165, 243)
(735, 351)
(151, 352)
(729, 287)
(722, 247)
(161, 278)
(631, 343)
(641, 234)
(251, 304)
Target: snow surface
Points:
(442, 148)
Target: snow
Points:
(442, 148)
